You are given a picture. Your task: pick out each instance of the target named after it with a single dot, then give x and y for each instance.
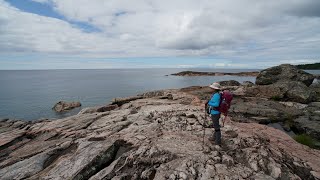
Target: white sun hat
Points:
(215, 86)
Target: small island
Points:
(194, 73)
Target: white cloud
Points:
(248, 29)
(299, 61)
(186, 66)
(41, 1)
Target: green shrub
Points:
(276, 98)
(305, 139)
(288, 120)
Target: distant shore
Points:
(194, 73)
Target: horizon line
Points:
(127, 68)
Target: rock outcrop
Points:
(280, 102)
(194, 73)
(65, 106)
(282, 90)
(229, 83)
(150, 138)
(284, 72)
(290, 102)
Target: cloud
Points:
(250, 30)
(307, 8)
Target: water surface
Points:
(30, 94)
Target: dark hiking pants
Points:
(217, 133)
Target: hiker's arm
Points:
(215, 100)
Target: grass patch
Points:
(275, 98)
(306, 140)
(274, 119)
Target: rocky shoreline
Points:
(194, 73)
(156, 136)
(160, 135)
(197, 73)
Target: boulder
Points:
(282, 90)
(253, 111)
(247, 83)
(283, 72)
(261, 110)
(65, 106)
(295, 91)
(229, 83)
(268, 91)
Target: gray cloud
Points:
(248, 29)
(307, 8)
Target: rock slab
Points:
(65, 106)
(162, 139)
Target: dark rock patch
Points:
(103, 160)
(121, 101)
(283, 72)
(107, 108)
(229, 83)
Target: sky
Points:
(95, 34)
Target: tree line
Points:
(309, 66)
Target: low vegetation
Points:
(275, 98)
(307, 140)
(309, 66)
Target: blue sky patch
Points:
(45, 9)
(42, 9)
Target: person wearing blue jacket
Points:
(214, 102)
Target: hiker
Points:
(214, 103)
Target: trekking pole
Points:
(203, 126)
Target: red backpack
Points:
(225, 102)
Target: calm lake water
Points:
(30, 94)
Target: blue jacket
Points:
(215, 102)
